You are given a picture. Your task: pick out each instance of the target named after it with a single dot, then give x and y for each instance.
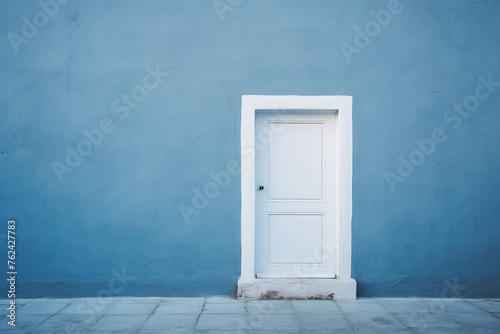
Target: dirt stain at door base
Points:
(277, 295)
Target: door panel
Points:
(295, 213)
(295, 162)
(291, 238)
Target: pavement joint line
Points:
(201, 312)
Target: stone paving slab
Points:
(220, 315)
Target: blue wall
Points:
(113, 225)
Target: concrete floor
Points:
(226, 315)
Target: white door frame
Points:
(340, 105)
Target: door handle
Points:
(261, 188)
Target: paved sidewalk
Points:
(225, 315)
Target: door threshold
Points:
(296, 288)
(325, 276)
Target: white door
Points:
(295, 177)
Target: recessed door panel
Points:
(293, 238)
(296, 162)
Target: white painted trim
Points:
(251, 104)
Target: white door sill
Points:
(271, 276)
(296, 288)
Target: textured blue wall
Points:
(111, 222)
